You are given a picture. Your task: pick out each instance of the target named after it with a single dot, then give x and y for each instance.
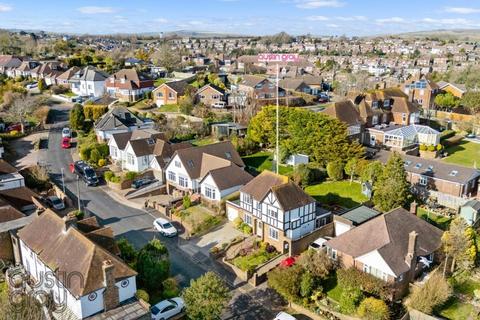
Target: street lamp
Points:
(78, 194)
(274, 57)
(63, 181)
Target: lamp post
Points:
(274, 57)
(78, 194)
(63, 181)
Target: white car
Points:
(166, 309)
(66, 133)
(284, 316)
(55, 203)
(165, 227)
(31, 85)
(318, 244)
(219, 104)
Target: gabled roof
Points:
(67, 75)
(132, 80)
(291, 84)
(192, 158)
(214, 87)
(89, 73)
(121, 139)
(288, 194)
(164, 150)
(69, 252)
(474, 204)
(344, 111)
(116, 118)
(252, 80)
(229, 177)
(389, 235)
(178, 86)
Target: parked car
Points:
(471, 136)
(219, 105)
(66, 143)
(14, 127)
(165, 227)
(167, 309)
(66, 133)
(55, 202)
(318, 244)
(86, 173)
(31, 85)
(142, 182)
(284, 316)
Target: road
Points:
(136, 226)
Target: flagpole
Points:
(277, 151)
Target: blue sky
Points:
(255, 17)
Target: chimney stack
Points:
(411, 253)
(413, 207)
(69, 221)
(110, 295)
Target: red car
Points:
(66, 143)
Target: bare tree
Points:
(167, 58)
(22, 106)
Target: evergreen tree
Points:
(392, 189)
(459, 245)
(77, 117)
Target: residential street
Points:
(136, 226)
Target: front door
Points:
(373, 141)
(259, 228)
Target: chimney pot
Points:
(69, 221)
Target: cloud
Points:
(461, 10)
(332, 25)
(95, 10)
(354, 18)
(161, 20)
(5, 7)
(390, 20)
(318, 18)
(450, 21)
(311, 4)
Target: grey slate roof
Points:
(117, 118)
(89, 73)
(474, 204)
(360, 215)
(433, 168)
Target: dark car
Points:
(86, 173)
(142, 182)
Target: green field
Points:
(343, 193)
(465, 154)
(169, 108)
(263, 160)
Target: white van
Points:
(219, 104)
(284, 316)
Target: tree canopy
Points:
(392, 189)
(153, 265)
(321, 137)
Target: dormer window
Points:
(430, 168)
(407, 163)
(228, 155)
(190, 163)
(386, 103)
(418, 166)
(374, 104)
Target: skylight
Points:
(407, 163)
(190, 163)
(228, 155)
(418, 166)
(453, 173)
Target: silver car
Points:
(55, 202)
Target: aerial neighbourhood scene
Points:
(239, 160)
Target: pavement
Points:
(188, 261)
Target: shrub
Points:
(79, 214)
(355, 278)
(108, 175)
(170, 288)
(238, 222)
(95, 156)
(59, 89)
(447, 134)
(187, 201)
(127, 250)
(335, 170)
(434, 292)
(14, 133)
(130, 175)
(102, 162)
(115, 180)
(349, 299)
(439, 147)
(373, 309)
(431, 148)
(94, 112)
(247, 229)
(142, 294)
(423, 147)
(306, 284)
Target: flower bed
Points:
(249, 261)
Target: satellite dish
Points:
(425, 262)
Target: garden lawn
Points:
(159, 82)
(203, 141)
(263, 160)
(141, 105)
(437, 220)
(252, 260)
(169, 108)
(455, 309)
(331, 287)
(198, 219)
(465, 153)
(346, 194)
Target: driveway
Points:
(222, 233)
(24, 153)
(136, 225)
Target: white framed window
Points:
(375, 120)
(248, 219)
(130, 159)
(210, 192)
(247, 198)
(182, 181)
(172, 176)
(273, 233)
(404, 117)
(145, 160)
(178, 164)
(423, 181)
(273, 213)
(334, 254)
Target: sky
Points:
(248, 17)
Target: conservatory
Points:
(412, 135)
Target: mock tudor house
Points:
(451, 185)
(210, 95)
(129, 85)
(198, 170)
(280, 213)
(170, 92)
(119, 120)
(88, 82)
(398, 247)
(88, 279)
